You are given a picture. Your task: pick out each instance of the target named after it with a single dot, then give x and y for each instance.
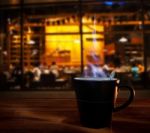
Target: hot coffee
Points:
(96, 100)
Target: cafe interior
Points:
(63, 37)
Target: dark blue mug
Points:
(96, 100)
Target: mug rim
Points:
(98, 79)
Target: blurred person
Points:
(141, 67)
(46, 70)
(135, 70)
(16, 75)
(37, 73)
(117, 60)
(92, 70)
(54, 69)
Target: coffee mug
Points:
(96, 100)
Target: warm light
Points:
(28, 36)
(34, 52)
(77, 41)
(62, 47)
(31, 42)
(5, 53)
(123, 40)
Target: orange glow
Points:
(65, 48)
(93, 43)
(62, 28)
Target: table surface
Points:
(60, 115)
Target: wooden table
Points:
(60, 115)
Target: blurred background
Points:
(45, 44)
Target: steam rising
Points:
(96, 71)
(93, 70)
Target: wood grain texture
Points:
(60, 115)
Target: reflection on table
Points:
(60, 115)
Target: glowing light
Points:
(5, 53)
(108, 3)
(123, 40)
(34, 52)
(77, 41)
(111, 3)
(31, 42)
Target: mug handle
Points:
(130, 98)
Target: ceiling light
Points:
(123, 40)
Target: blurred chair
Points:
(4, 85)
(61, 83)
(28, 79)
(47, 80)
(125, 78)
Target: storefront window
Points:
(62, 41)
(9, 30)
(113, 33)
(146, 22)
